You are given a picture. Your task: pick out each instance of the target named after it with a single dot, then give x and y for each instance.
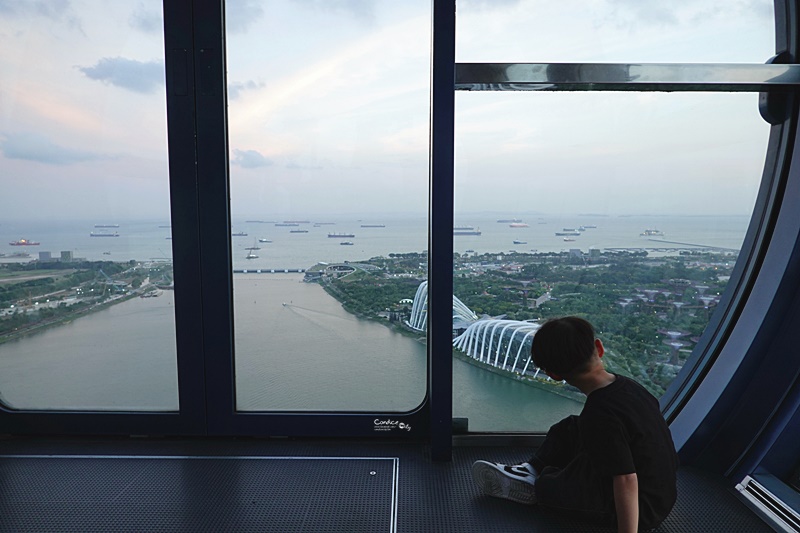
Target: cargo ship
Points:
(340, 235)
(466, 232)
(24, 242)
(518, 225)
(93, 234)
(373, 225)
(346, 243)
(298, 231)
(652, 233)
(106, 225)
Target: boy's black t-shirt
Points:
(623, 431)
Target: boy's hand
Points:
(626, 502)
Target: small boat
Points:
(652, 233)
(264, 240)
(251, 255)
(346, 243)
(520, 242)
(567, 239)
(24, 242)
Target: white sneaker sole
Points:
(494, 482)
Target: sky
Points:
(329, 109)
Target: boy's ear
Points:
(599, 348)
(553, 375)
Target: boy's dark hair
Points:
(563, 346)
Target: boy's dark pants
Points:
(567, 479)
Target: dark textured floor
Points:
(292, 485)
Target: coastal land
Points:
(35, 295)
(649, 310)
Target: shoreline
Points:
(41, 327)
(553, 389)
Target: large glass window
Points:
(328, 111)
(86, 301)
(628, 209)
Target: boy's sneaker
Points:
(512, 482)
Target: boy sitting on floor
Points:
(615, 462)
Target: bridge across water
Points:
(268, 270)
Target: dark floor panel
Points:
(256, 495)
(452, 503)
(196, 494)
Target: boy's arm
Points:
(626, 502)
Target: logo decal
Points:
(390, 425)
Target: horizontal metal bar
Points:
(626, 77)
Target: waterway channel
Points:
(307, 355)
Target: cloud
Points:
(146, 21)
(360, 9)
(129, 74)
(488, 4)
(236, 89)
(36, 147)
(632, 12)
(240, 14)
(250, 159)
(52, 9)
(639, 12)
(298, 166)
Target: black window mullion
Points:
(440, 235)
(213, 206)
